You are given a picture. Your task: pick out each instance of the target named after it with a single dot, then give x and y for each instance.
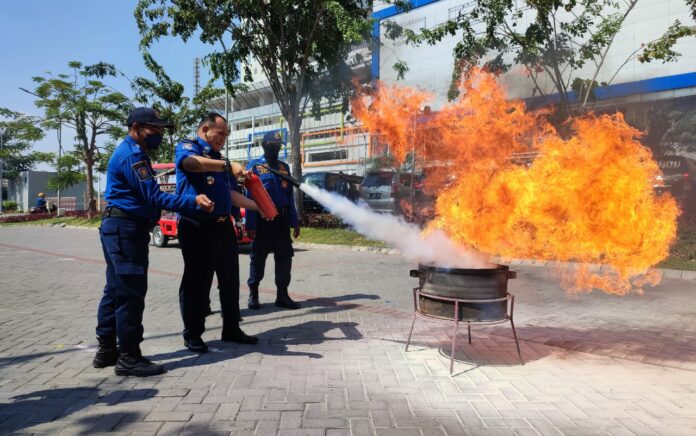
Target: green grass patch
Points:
(682, 255)
(337, 237)
(673, 262)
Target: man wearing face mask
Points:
(273, 236)
(209, 242)
(133, 203)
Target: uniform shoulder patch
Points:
(188, 144)
(142, 170)
(262, 168)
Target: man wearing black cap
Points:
(272, 236)
(133, 203)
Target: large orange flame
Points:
(586, 199)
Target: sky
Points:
(44, 35)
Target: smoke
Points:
(432, 249)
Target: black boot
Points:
(196, 345)
(235, 334)
(107, 353)
(136, 365)
(253, 302)
(284, 300)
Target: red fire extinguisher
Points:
(254, 185)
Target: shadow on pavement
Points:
(659, 346)
(273, 342)
(45, 406)
(488, 347)
(317, 305)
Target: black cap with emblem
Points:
(147, 115)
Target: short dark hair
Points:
(210, 119)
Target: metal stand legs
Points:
(508, 317)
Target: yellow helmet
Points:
(42, 195)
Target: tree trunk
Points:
(91, 202)
(294, 125)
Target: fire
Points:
(586, 197)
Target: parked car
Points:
(343, 184)
(679, 179)
(383, 190)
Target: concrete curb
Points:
(360, 248)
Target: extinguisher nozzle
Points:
(285, 177)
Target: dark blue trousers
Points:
(120, 315)
(272, 236)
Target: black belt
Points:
(209, 218)
(114, 212)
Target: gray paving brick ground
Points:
(595, 364)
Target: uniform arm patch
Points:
(142, 170)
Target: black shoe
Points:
(237, 335)
(107, 353)
(253, 302)
(136, 365)
(284, 300)
(197, 345)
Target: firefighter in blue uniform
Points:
(209, 242)
(133, 205)
(273, 236)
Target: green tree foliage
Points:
(81, 101)
(167, 97)
(301, 46)
(663, 48)
(667, 126)
(19, 132)
(68, 171)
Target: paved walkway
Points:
(595, 364)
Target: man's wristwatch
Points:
(227, 167)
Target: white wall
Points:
(431, 66)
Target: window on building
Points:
(522, 5)
(460, 10)
(328, 155)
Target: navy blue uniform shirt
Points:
(40, 202)
(216, 185)
(281, 191)
(131, 185)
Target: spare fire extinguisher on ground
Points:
(253, 184)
